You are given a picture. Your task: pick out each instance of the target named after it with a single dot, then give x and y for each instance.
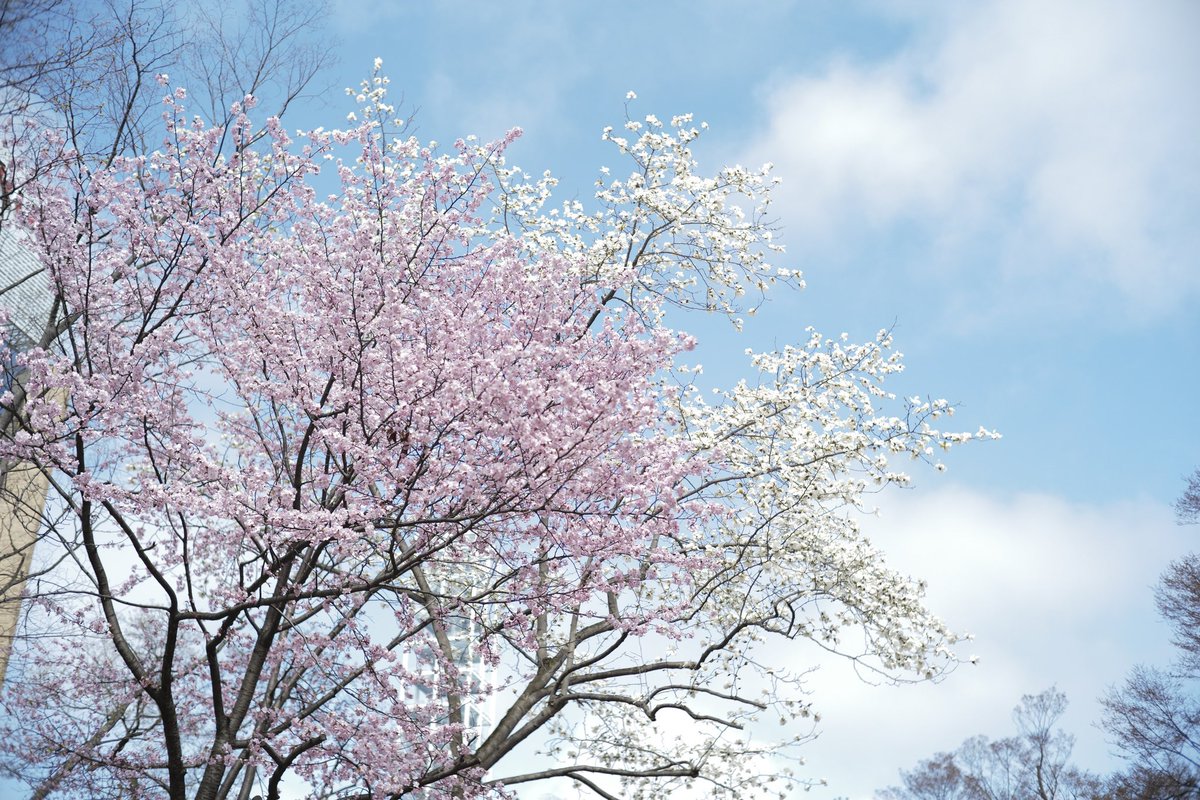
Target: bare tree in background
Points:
(1187, 507)
(1154, 718)
(1033, 765)
(88, 69)
(28, 28)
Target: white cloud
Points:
(1061, 135)
(1055, 593)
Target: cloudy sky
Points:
(1014, 186)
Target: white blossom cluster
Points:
(663, 235)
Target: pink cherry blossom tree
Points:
(403, 487)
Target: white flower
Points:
(631, 95)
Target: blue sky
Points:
(1014, 186)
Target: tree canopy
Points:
(377, 466)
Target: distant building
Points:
(473, 675)
(24, 288)
(26, 300)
